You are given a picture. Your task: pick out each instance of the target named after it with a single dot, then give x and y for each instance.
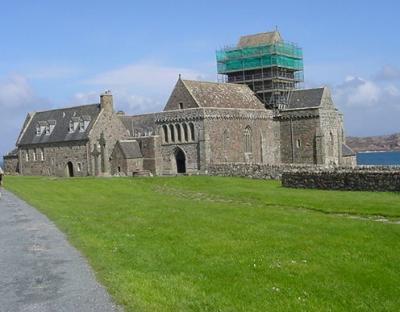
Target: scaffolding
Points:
(271, 70)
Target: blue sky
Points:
(62, 53)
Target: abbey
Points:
(256, 116)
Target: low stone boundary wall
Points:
(376, 179)
(360, 178)
(255, 171)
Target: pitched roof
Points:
(130, 149)
(259, 39)
(60, 118)
(139, 124)
(222, 95)
(305, 98)
(347, 151)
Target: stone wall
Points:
(52, 159)
(113, 130)
(298, 130)
(355, 179)
(11, 164)
(240, 135)
(255, 171)
(361, 178)
(151, 151)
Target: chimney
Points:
(106, 101)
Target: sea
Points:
(378, 158)
(363, 158)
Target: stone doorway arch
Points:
(69, 169)
(180, 159)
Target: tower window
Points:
(247, 140)
(180, 105)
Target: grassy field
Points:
(228, 244)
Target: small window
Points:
(27, 156)
(298, 143)
(165, 131)
(192, 134)
(248, 140)
(172, 132)
(47, 130)
(41, 154)
(34, 155)
(82, 126)
(79, 167)
(180, 105)
(71, 127)
(38, 130)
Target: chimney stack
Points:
(106, 101)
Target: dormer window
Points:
(71, 127)
(47, 130)
(38, 130)
(82, 126)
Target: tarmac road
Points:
(39, 269)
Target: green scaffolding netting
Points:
(280, 48)
(262, 61)
(279, 54)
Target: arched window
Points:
(172, 132)
(331, 143)
(298, 143)
(247, 140)
(185, 132)
(165, 132)
(178, 132)
(192, 134)
(225, 143)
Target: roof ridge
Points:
(65, 108)
(216, 82)
(190, 92)
(306, 89)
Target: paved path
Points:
(39, 270)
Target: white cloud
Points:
(141, 87)
(356, 91)
(17, 98)
(15, 91)
(145, 75)
(370, 107)
(388, 73)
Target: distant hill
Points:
(375, 143)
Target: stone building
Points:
(202, 124)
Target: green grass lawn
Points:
(227, 244)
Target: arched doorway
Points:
(180, 161)
(70, 169)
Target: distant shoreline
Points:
(378, 151)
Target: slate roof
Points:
(130, 149)
(259, 39)
(347, 151)
(60, 118)
(222, 95)
(144, 124)
(305, 98)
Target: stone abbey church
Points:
(256, 115)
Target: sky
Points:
(64, 53)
